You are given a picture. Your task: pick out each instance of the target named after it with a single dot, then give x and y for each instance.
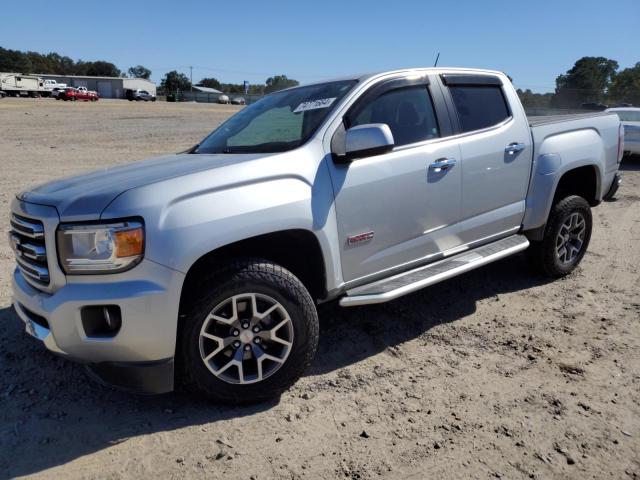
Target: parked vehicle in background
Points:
(593, 106)
(2, 94)
(85, 90)
(630, 119)
(55, 93)
(50, 86)
(224, 99)
(359, 190)
(87, 95)
(15, 84)
(140, 95)
(73, 94)
(238, 101)
(68, 93)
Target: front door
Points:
(401, 207)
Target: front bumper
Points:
(140, 356)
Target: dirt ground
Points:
(496, 374)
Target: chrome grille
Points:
(27, 242)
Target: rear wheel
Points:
(250, 335)
(566, 237)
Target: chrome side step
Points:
(408, 282)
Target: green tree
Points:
(139, 72)
(174, 80)
(625, 87)
(34, 62)
(278, 82)
(210, 83)
(534, 100)
(587, 81)
(102, 69)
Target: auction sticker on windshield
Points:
(314, 104)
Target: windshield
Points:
(278, 122)
(628, 115)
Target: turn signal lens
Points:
(129, 243)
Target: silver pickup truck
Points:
(205, 267)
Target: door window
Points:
(479, 106)
(408, 112)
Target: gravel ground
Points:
(499, 373)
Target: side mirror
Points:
(367, 140)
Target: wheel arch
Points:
(297, 250)
(583, 180)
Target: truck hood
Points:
(84, 197)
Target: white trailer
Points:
(16, 84)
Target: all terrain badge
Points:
(359, 238)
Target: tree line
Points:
(174, 81)
(56, 64)
(590, 80)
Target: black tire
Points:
(543, 255)
(242, 277)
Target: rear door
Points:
(398, 208)
(496, 153)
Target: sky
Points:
(532, 41)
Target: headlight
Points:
(100, 248)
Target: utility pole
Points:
(191, 78)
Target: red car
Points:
(74, 94)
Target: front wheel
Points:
(250, 334)
(566, 237)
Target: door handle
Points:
(514, 147)
(442, 164)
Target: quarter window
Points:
(479, 106)
(407, 111)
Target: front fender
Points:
(196, 221)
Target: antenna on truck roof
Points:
(435, 64)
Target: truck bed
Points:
(535, 121)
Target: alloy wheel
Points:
(246, 338)
(570, 238)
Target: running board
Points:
(408, 282)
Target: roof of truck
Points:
(424, 70)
